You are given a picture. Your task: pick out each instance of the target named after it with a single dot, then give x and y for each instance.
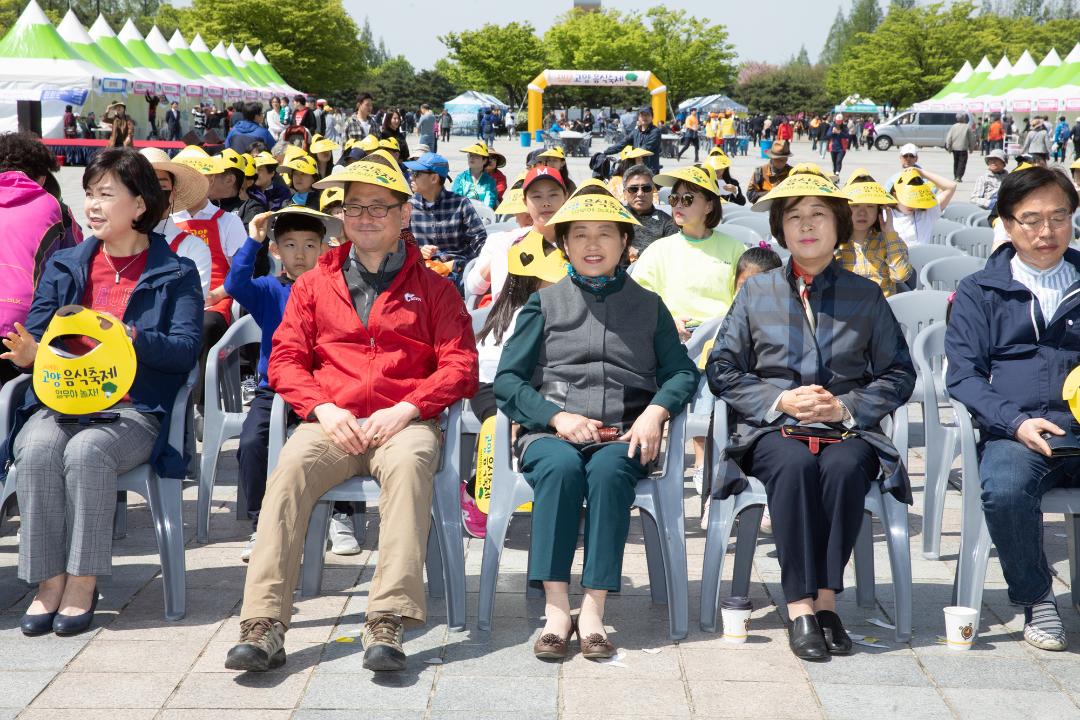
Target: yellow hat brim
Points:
(718, 161)
(591, 183)
(264, 159)
(323, 146)
(633, 153)
(332, 225)
(691, 174)
(805, 184)
(330, 196)
(919, 197)
(204, 165)
(530, 258)
(868, 193)
(369, 173)
(390, 144)
(555, 152)
(476, 149)
(596, 208)
(303, 163)
(513, 203)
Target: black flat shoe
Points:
(65, 625)
(806, 640)
(836, 638)
(34, 625)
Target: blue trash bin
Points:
(526, 139)
(539, 136)
(765, 145)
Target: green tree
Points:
(786, 89)
(836, 39)
(690, 55)
(500, 59)
(325, 62)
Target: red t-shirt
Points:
(104, 293)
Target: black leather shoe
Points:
(806, 640)
(836, 637)
(65, 625)
(34, 625)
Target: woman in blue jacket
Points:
(67, 471)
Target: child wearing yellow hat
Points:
(475, 184)
(302, 173)
(268, 183)
(323, 152)
(876, 251)
(917, 207)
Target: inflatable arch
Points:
(595, 78)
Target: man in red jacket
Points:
(372, 347)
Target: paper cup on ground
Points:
(960, 627)
(735, 614)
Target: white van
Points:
(921, 127)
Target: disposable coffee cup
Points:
(735, 614)
(960, 627)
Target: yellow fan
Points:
(1070, 392)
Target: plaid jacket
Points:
(858, 353)
(883, 258)
(450, 223)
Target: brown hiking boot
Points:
(261, 646)
(383, 635)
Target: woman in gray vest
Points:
(593, 370)
(811, 349)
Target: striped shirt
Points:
(1048, 286)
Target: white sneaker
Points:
(249, 548)
(699, 479)
(342, 539)
(766, 523)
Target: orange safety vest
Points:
(209, 232)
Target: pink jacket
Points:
(34, 228)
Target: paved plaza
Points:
(134, 665)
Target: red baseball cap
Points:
(542, 172)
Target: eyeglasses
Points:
(375, 211)
(636, 189)
(1033, 223)
(685, 199)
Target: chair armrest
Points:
(178, 418)
(243, 332)
(10, 395)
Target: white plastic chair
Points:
(960, 211)
(945, 273)
(748, 506)
(746, 235)
(975, 241)
(223, 412)
(660, 498)
(979, 218)
(942, 229)
(920, 255)
(163, 495)
(486, 213)
(445, 560)
(758, 222)
(975, 536)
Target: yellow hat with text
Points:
(805, 180)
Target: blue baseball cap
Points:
(430, 162)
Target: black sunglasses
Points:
(635, 189)
(685, 199)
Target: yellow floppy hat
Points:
(371, 173)
(330, 196)
(701, 176)
(532, 257)
(332, 226)
(249, 168)
(554, 152)
(591, 183)
(369, 143)
(292, 151)
(264, 159)
(913, 191)
(195, 157)
(390, 143)
(805, 180)
(513, 203)
(234, 160)
(862, 189)
(718, 159)
(320, 144)
(592, 207)
(632, 153)
(301, 163)
(479, 148)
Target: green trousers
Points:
(563, 477)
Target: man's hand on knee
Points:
(1030, 434)
(342, 428)
(388, 422)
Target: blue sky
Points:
(411, 27)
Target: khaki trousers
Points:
(310, 464)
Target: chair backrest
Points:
(664, 194)
(470, 299)
(486, 213)
(222, 382)
(975, 241)
(945, 273)
(920, 255)
(702, 334)
(503, 226)
(959, 211)
(746, 235)
(479, 317)
(980, 218)
(928, 354)
(732, 211)
(759, 222)
(917, 310)
(942, 229)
